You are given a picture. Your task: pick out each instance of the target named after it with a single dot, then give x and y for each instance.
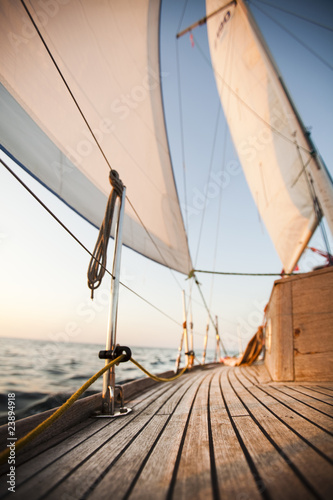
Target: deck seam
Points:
(72, 434)
(325, 457)
(328, 388)
(213, 470)
(292, 409)
(79, 444)
(303, 402)
(309, 396)
(172, 484)
(280, 451)
(101, 476)
(145, 460)
(319, 392)
(262, 489)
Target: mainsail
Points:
(108, 56)
(282, 170)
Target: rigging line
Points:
(90, 129)
(210, 170)
(303, 169)
(316, 205)
(182, 16)
(206, 195)
(180, 103)
(154, 243)
(295, 37)
(208, 311)
(228, 57)
(65, 82)
(292, 14)
(201, 224)
(275, 130)
(217, 227)
(80, 243)
(243, 274)
(319, 214)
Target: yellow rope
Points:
(154, 377)
(60, 411)
(44, 425)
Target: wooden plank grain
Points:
(71, 459)
(326, 386)
(320, 390)
(273, 472)
(132, 462)
(235, 407)
(279, 354)
(104, 473)
(193, 478)
(313, 326)
(257, 372)
(156, 477)
(312, 397)
(308, 406)
(275, 478)
(292, 414)
(45, 457)
(234, 476)
(305, 463)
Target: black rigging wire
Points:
(236, 95)
(313, 52)
(185, 184)
(80, 243)
(182, 137)
(65, 82)
(281, 9)
(243, 274)
(93, 135)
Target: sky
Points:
(43, 292)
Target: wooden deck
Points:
(214, 433)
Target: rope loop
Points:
(115, 182)
(97, 265)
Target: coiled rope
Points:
(60, 411)
(97, 265)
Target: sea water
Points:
(43, 374)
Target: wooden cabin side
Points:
(299, 328)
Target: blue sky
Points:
(43, 271)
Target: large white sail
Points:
(108, 53)
(274, 152)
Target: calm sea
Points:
(44, 374)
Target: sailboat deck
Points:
(218, 432)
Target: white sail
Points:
(108, 53)
(274, 152)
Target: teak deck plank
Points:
(194, 471)
(55, 463)
(310, 395)
(234, 476)
(88, 458)
(319, 390)
(215, 433)
(302, 460)
(159, 468)
(126, 451)
(314, 436)
(309, 411)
